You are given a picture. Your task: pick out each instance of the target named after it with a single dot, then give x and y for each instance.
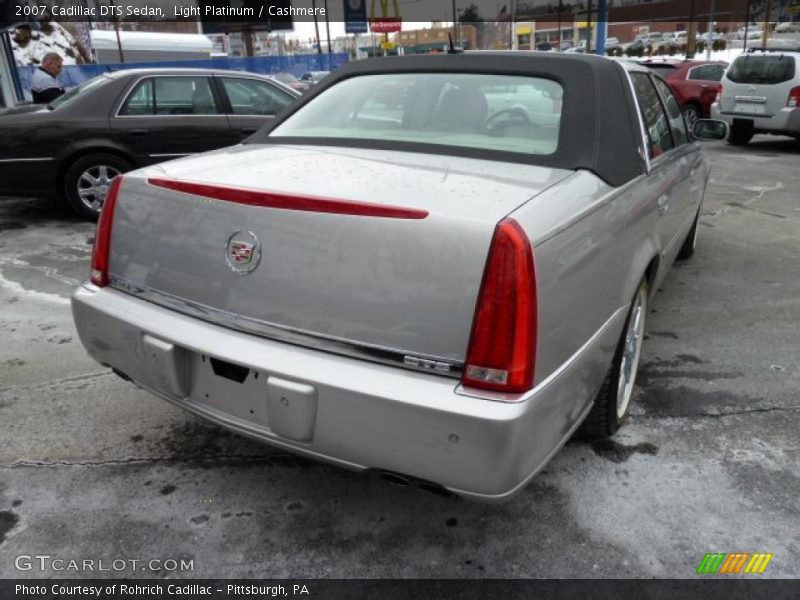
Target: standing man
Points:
(44, 86)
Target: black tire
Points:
(687, 250)
(81, 196)
(739, 136)
(605, 419)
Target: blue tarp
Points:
(73, 75)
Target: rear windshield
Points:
(762, 69)
(72, 93)
(481, 111)
(663, 70)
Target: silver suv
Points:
(760, 94)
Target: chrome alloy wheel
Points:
(93, 185)
(692, 116)
(631, 352)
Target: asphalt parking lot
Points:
(92, 468)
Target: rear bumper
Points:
(785, 121)
(352, 413)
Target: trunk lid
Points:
(386, 288)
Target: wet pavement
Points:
(93, 468)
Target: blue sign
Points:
(355, 16)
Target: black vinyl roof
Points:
(599, 128)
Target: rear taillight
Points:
(719, 95)
(102, 236)
(794, 97)
(502, 347)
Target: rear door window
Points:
(171, 96)
(184, 96)
(762, 69)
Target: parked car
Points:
(788, 27)
(637, 45)
(709, 37)
(695, 84)
(579, 49)
(443, 292)
(292, 81)
(314, 77)
(761, 94)
(751, 32)
(74, 146)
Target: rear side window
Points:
(674, 112)
(655, 119)
(707, 72)
(762, 69)
(482, 111)
(251, 97)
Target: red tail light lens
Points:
(719, 94)
(794, 97)
(102, 236)
(502, 347)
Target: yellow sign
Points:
(583, 24)
(524, 30)
(388, 45)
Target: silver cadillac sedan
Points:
(436, 267)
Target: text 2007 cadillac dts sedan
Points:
(437, 267)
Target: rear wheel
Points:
(87, 181)
(740, 136)
(613, 401)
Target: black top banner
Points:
(279, 14)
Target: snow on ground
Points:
(56, 39)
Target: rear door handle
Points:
(138, 131)
(663, 204)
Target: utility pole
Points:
(328, 27)
(455, 21)
(746, 27)
(558, 39)
(589, 27)
(119, 39)
(247, 38)
(709, 36)
(316, 25)
(691, 35)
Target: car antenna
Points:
(452, 49)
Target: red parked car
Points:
(694, 82)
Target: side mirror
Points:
(710, 129)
